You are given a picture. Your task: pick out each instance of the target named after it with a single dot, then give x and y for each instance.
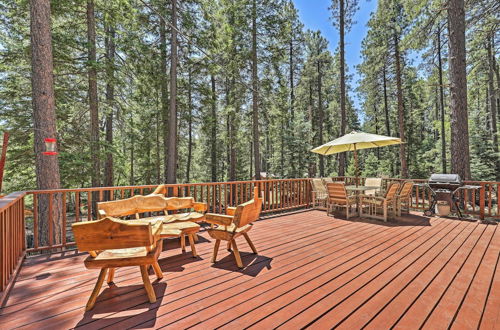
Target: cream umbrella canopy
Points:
(355, 141)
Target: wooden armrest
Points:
(219, 219)
(230, 210)
(101, 214)
(200, 207)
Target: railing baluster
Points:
(51, 223)
(35, 221)
(64, 218)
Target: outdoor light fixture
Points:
(50, 147)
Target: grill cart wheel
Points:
(428, 213)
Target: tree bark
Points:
(44, 116)
(255, 94)
(320, 120)
(441, 102)
(292, 109)
(190, 128)
(343, 115)
(93, 98)
(493, 98)
(312, 165)
(164, 93)
(172, 120)
(386, 103)
(460, 159)
(213, 128)
(401, 116)
(110, 100)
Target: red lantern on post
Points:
(50, 147)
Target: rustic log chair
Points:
(338, 197)
(374, 204)
(319, 193)
(403, 197)
(139, 204)
(237, 222)
(373, 182)
(179, 203)
(114, 243)
(327, 180)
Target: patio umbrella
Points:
(355, 141)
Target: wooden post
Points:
(481, 201)
(356, 164)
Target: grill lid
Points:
(445, 181)
(446, 178)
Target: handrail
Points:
(50, 213)
(53, 211)
(483, 203)
(12, 241)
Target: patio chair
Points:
(373, 182)
(378, 207)
(319, 193)
(114, 243)
(237, 222)
(140, 205)
(338, 197)
(195, 210)
(327, 180)
(403, 198)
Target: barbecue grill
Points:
(444, 190)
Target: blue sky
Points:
(316, 16)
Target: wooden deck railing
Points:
(12, 240)
(50, 227)
(482, 203)
(40, 220)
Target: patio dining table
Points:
(357, 190)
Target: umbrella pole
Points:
(356, 164)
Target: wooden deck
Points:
(311, 271)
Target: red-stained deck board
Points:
(335, 294)
(469, 315)
(417, 314)
(312, 270)
(386, 305)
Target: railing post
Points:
(482, 196)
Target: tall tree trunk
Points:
(164, 93)
(190, 129)
(441, 102)
(460, 159)
(386, 103)
(493, 99)
(172, 120)
(255, 94)
(312, 164)
(44, 116)
(320, 120)
(375, 111)
(343, 115)
(110, 100)
(132, 154)
(292, 109)
(93, 98)
(401, 115)
(213, 128)
(158, 148)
